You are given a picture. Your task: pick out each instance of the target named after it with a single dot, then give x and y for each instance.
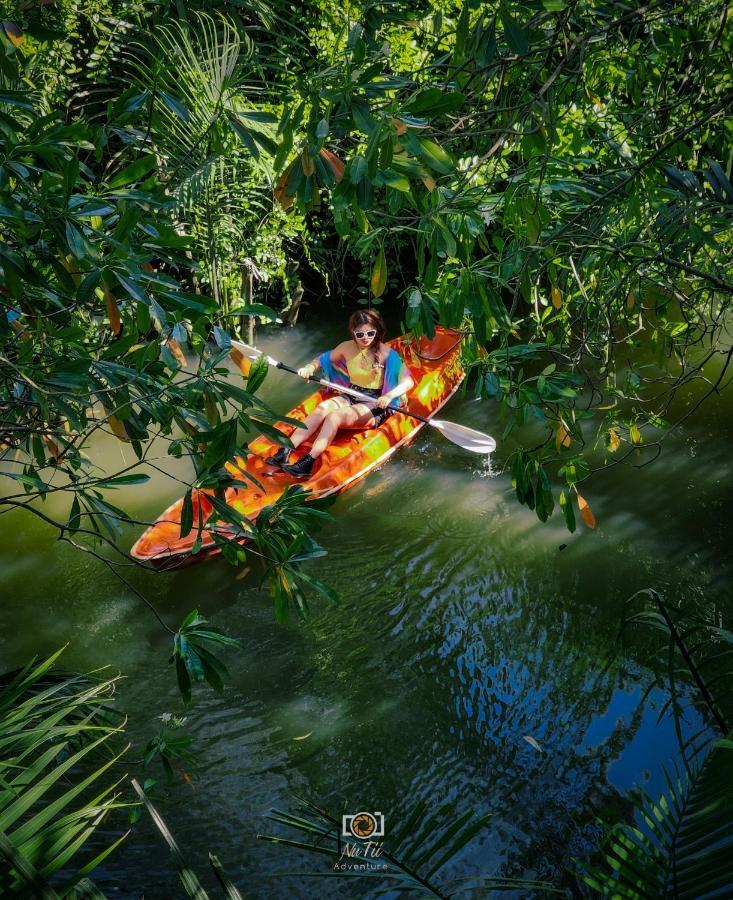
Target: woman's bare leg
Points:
(349, 417)
(314, 421)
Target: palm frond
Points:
(681, 844)
(412, 856)
(194, 74)
(58, 744)
(704, 649)
(190, 881)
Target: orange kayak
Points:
(436, 369)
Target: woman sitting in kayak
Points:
(364, 363)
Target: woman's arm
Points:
(314, 365)
(407, 384)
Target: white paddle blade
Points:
(468, 438)
(252, 352)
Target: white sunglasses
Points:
(364, 334)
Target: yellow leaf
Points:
(241, 361)
(284, 584)
(175, 349)
(562, 438)
(429, 182)
(53, 447)
(334, 162)
(20, 330)
(280, 193)
(113, 312)
(635, 435)
(118, 429)
(72, 267)
(614, 442)
(14, 34)
(186, 777)
(630, 300)
(586, 513)
(379, 274)
(556, 297)
(309, 167)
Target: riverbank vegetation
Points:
(552, 177)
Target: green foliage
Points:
(170, 747)
(60, 744)
(695, 649)
(682, 845)
(188, 877)
(193, 657)
(545, 176)
(679, 845)
(104, 328)
(192, 79)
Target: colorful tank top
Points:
(364, 371)
(335, 368)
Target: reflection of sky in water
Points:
(463, 629)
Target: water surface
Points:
(465, 625)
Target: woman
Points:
(364, 363)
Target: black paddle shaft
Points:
(398, 409)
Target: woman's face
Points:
(364, 335)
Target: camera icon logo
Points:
(363, 825)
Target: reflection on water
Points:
(463, 629)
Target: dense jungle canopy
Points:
(552, 177)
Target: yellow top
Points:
(363, 372)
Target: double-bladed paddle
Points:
(468, 438)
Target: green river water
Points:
(463, 628)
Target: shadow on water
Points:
(463, 630)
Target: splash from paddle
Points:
(468, 438)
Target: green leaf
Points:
(255, 309)
(136, 171)
(187, 514)
(393, 180)
(88, 285)
(434, 102)
(260, 116)
(174, 105)
(379, 274)
(435, 156)
(357, 169)
(134, 289)
(119, 480)
(568, 511)
(257, 374)
(76, 240)
(517, 37)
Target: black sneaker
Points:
(281, 458)
(302, 468)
